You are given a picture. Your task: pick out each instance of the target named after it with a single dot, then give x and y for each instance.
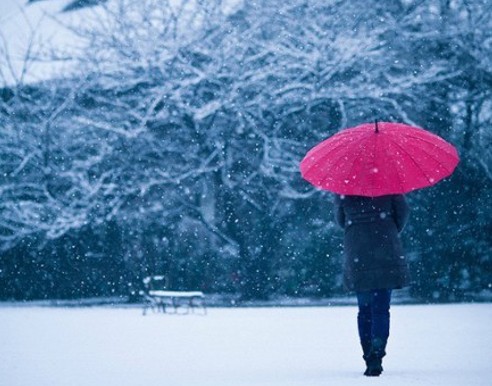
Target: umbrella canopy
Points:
(376, 159)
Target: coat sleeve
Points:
(401, 211)
(339, 213)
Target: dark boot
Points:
(366, 349)
(375, 358)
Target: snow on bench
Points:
(177, 294)
(177, 302)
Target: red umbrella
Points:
(375, 159)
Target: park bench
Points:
(158, 299)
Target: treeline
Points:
(173, 148)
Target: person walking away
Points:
(374, 265)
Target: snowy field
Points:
(430, 345)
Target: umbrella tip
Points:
(376, 126)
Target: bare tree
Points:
(187, 119)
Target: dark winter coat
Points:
(374, 257)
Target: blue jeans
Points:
(374, 318)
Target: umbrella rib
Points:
(402, 188)
(434, 158)
(325, 156)
(325, 178)
(433, 144)
(413, 160)
(372, 176)
(318, 161)
(358, 154)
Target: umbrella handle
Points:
(376, 124)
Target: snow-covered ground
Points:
(430, 345)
